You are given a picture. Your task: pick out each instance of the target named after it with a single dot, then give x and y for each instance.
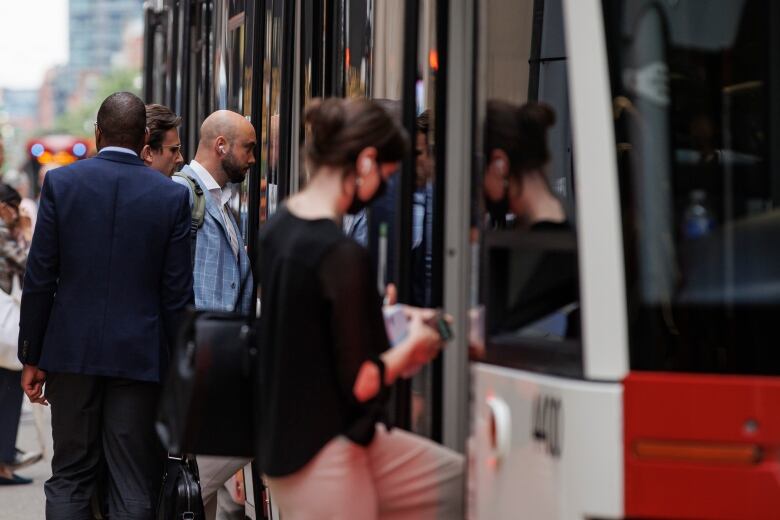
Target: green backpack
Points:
(198, 208)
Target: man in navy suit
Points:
(108, 274)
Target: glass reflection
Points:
(424, 204)
(357, 53)
(269, 152)
(542, 284)
(692, 90)
(523, 237)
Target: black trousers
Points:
(103, 427)
(10, 410)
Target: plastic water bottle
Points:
(698, 220)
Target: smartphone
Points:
(396, 324)
(441, 326)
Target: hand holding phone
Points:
(441, 324)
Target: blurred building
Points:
(18, 119)
(97, 31)
(131, 54)
(19, 108)
(52, 96)
(103, 34)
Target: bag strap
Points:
(198, 208)
(242, 288)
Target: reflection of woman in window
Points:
(517, 154)
(516, 183)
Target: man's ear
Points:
(146, 154)
(220, 145)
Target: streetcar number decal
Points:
(546, 423)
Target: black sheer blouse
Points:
(321, 319)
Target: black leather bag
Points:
(180, 496)
(207, 402)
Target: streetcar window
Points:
(524, 207)
(697, 129)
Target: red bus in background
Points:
(52, 151)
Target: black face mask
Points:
(497, 209)
(358, 204)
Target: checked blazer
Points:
(217, 273)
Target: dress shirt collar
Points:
(221, 194)
(117, 149)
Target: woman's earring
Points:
(359, 181)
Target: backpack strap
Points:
(198, 208)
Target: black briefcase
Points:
(180, 495)
(207, 402)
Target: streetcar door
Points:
(546, 410)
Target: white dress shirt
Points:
(221, 197)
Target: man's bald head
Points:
(223, 123)
(121, 121)
(226, 146)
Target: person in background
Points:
(325, 364)
(422, 218)
(221, 271)
(13, 246)
(163, 150)
(13, 258)
(364, 226)
(108, 277)
(382, 213)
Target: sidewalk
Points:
(26, 502)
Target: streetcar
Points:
(652, 392)
(52, 151)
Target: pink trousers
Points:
(398, 476)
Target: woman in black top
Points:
(325, 362)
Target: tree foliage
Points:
(79, 120)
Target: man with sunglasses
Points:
(163, 150)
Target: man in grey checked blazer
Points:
(225, 153)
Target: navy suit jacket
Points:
(109, 270)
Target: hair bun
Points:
(340, 128)
(538, 114)
(325, 116)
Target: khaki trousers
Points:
(214, 472)
(398, 476)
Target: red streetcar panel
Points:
(702, 446)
